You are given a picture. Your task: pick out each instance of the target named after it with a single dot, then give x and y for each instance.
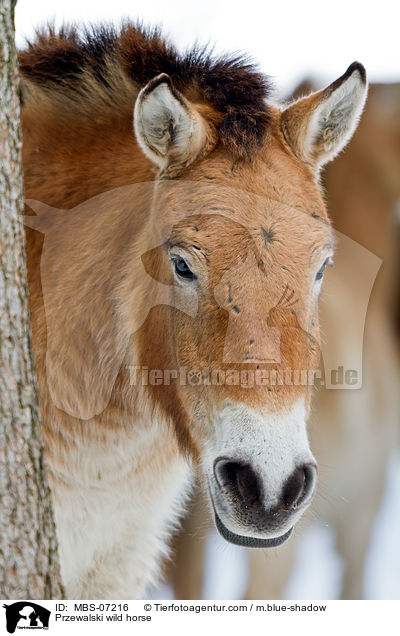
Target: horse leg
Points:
(269, 571)
(187, 570)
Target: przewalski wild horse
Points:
(212, 197)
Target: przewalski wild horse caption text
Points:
(180, 225)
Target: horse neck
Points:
(69, 158)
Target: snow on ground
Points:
(318, 569)
(382, 575)
(317, 558)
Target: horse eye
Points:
(321, 271)
(182, 269)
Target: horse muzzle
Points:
(240, 504)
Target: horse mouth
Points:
(248, 542)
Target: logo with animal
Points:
(26, 615)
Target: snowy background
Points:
(290, 41)
(318, 569)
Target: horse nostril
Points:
(239, 480)
(248, 485)
(299, 486)
(293, 488)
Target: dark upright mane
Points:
(63, 60)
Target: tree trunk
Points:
(29, 566)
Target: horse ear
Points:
(168, 128)
(319, 126)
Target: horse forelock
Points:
(101, 66)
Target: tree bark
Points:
(29, 566)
